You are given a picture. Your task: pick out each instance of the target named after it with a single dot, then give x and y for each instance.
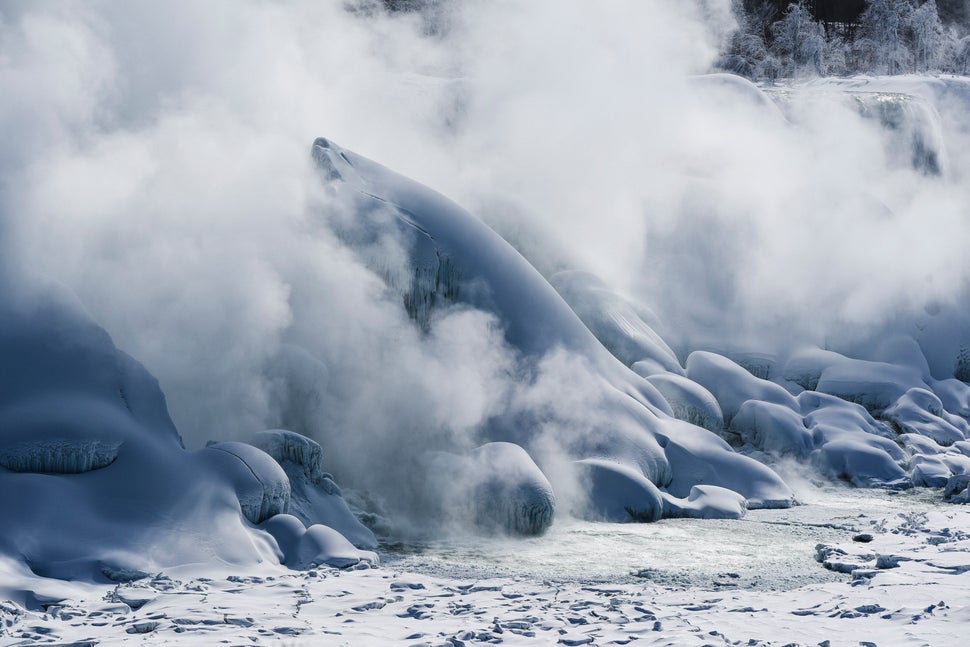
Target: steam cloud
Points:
(155, 159)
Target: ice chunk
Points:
(957, 490)
(772, 428)
(706, 502)
(262, 487)
(689, 401)
(290, 447)
(617, 493)
(732, 385)
(314, 496)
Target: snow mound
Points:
(315, 497)
(71, 402)
(772, 428)
(616, 493)
(706, 502)
(302, 548)
(698, 457)
(262, 486)
(496, 487)
(921, 412)
(689, 401)
(732, 385)
(856, 459)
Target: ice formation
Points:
(635, 428)
(87, 443)
(495, 487)
(103, 486)
(315, 497)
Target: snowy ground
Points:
(678, 582)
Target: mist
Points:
(156, 160)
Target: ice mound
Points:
(315, 498)
(104, 485)
(772, 428)
(496, 487)
(302, 548)
(921, 412)
(617, 493)
(706, 502)
(732, 385)
(689, 401)
(261, 484)
(457, 259)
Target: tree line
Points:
(791, 39)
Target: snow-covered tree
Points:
(929, 37)
(882, 42)
(799, 41)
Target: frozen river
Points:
(766, 550)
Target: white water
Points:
(766, 550)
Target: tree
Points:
(882, 42)
(929, 37)
(799, 41)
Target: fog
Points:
(155, 159)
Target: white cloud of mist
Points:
(155, 159)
